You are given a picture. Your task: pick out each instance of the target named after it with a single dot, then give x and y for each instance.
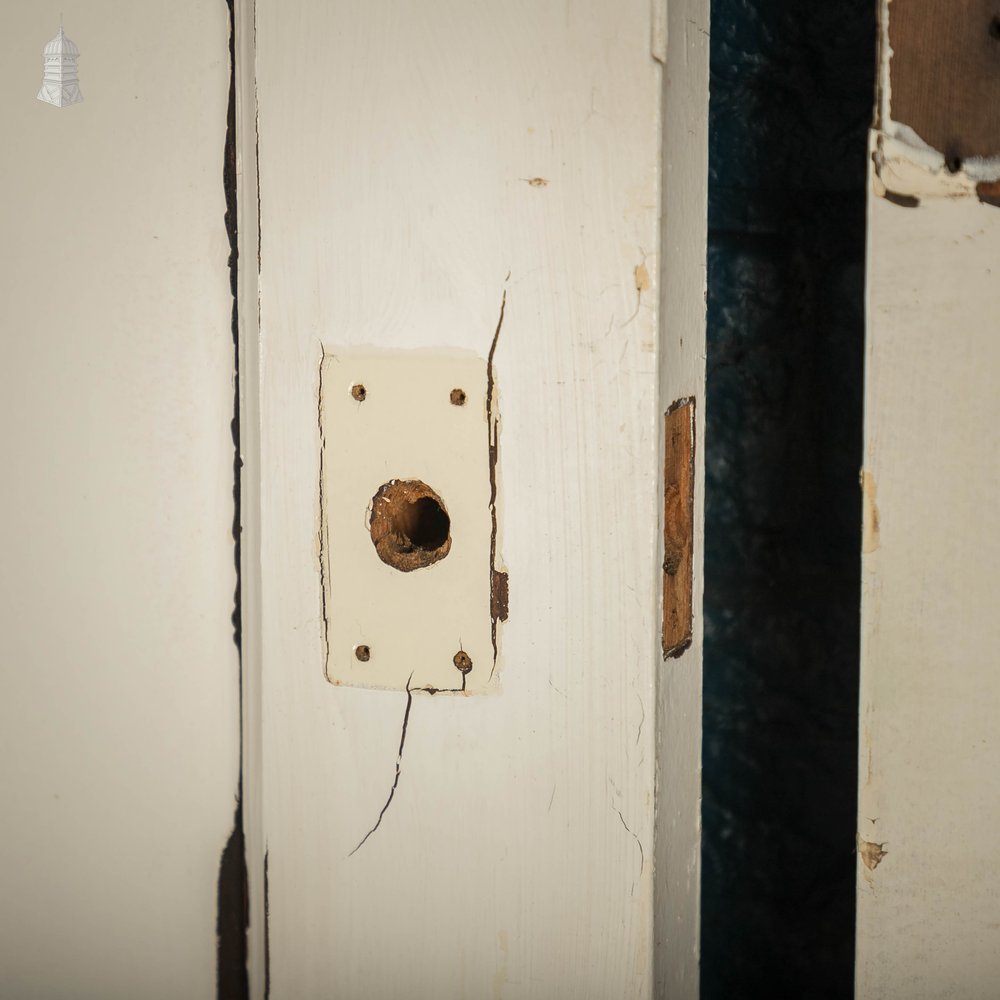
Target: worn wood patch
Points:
(678, 526)
(945, 74)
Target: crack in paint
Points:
(399, 766)
(232, 893)
(499, 581)
(642, 853)
(323, 532)
(431, 690)
(871, 853)
(267, 928)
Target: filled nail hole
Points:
(462, 661)
(458, 397)
(363, 653)
(359, 392)
(410, 526)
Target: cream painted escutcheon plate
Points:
(407, 536)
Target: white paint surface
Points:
(929, 913)
(417, 162)
(118, 720)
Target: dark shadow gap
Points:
(792, 88)
(233, 914)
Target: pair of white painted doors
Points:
(402, 170)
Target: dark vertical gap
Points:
(233, 915)
(792, 88)
(267, 930)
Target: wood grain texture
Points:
(944, 74)
(678, 526)
(929, 748)
(418, 163)
(119, 715)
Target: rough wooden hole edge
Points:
(390, 507)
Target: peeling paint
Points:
(871, 853)
(905, 167)
(642, 283)
(499, 582)
(498, 596)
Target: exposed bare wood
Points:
(678, 526)
(944, 74)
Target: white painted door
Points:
(119, 731)
(521, 185)
(928, 908)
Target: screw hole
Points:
(462, 661)
(458, 397)
(359, 392)
(363, 653)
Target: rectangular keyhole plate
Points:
(405, 441)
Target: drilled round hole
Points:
(359, 392)
(458, 397)
(363, 653)
(410, 527)
(462, 661)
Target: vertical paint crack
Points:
(499, 583)
(323, 526)
(399, 767)
(642, 853)
(232, 894)
(267, 928)
(256, 153)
